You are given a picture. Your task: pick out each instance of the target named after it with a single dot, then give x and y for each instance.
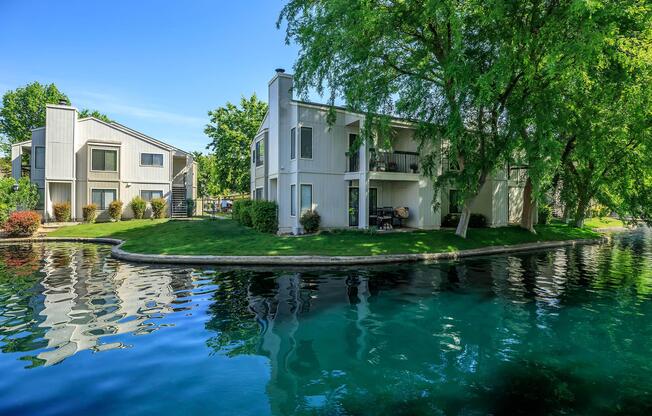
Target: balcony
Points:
(402, 162)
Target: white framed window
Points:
(151, 159)
(259, 194)
(39, 157)
(104, 160)
(306, 143)
(260, 153)
(148, 195)
(293, 200)
(293, 143)
(103, 197)
(306, 197)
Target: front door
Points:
(373, 205)
(354, 206)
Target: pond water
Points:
(560, 331)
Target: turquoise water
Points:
(565, 331)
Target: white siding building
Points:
(301, 161)
(86, 160)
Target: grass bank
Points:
(604, 222)
(226, 237)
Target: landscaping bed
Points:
(225, 237)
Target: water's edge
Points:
(118, 253)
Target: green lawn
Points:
(604, 222)
(226, 237)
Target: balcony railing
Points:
(404, 162)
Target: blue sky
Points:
(155, 66)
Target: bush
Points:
(22, 223)
(264, 216)
(310, 221)
(158, 207)
(545, 214)
(241, 212)
(476, 220)
(25, 198)
(138, 207)
(89, 213)
(115, 210)
(61, 211)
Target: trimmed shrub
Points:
(115, 210)
(61, 211)
(545, 214)
(89, 212)
(476, 220)
(138, 207)
(310, 221)
(158, 207)
(22, 223)
(241, 212)
(264, 216)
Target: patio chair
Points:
(400, 214)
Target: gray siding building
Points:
(86, 160)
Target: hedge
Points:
(89, 213)
(61, 211)
(310, 221)
(241, 212)
(264, 216)
(138, 207)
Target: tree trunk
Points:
(527, 215)
(463, 225)
(582, 205)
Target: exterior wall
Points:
(38, 140)
(60, 124)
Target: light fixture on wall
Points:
(15, 187)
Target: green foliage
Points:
(25, 198)
(545, 214)
(310, 221)
(22, 223)
(231, 129)
(89, 212)
(95, 114)
(207, 185)
(464, 70)
(158, 207)
(115, 210)
(475, 221)
(264, 216)
(138, 207)
(23, 109)
(61, 211)
(241, 212)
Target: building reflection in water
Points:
(80, 295)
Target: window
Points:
(260, 153)
(106, 160)
(151, 159)
(149, 195)
(306, 198)
(259, 194)
(39, 157)
(103, 197)
(454, 202)
(293, 143)
(41, 199)
(293, 200)
(306, 142)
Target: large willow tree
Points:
(459, 68)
